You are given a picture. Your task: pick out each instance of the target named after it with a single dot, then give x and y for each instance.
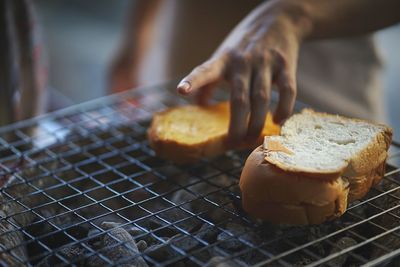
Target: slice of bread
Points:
(318, 164)
(187, 133)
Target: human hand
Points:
(123, 73)
(262, 50)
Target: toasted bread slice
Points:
(318, 161)
(326, 143)
(187, 133)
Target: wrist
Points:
(297, 15)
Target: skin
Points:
(126, 63)
(262, 50)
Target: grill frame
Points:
(23, 144)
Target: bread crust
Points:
(279, 196)
(372, 156)
(360, 185)
(213, 145)
(301, 214)
(366, 160)
(182, 153)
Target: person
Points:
(263, 50)
(23, 64)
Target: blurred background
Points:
(82, 39)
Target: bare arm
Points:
(135, 42)
(342, 18)
(263, 48)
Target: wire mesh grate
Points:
(82, 187)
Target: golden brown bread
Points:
(368, 158)
(187, 133)
(284, 182)
(279, 196)
(360, 185)
(275, 195)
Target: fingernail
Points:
(184, 87)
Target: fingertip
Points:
(279, 118)
(184, 87)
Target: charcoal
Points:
(390, 241)
(95, 261)
(204, 254)
(164, 251)
(134, 231)
(116, 251)
(316, 232)
(184, 242)
(302, 261)
(77, 231)
(94, 233)
(95, 238)
(210, 190)
(11, 238)
(232, 243)
(361, 210)
(161, 227)
(161, 252)
(142, 236)
(207, 233)
(72, 253)
(228, 242)
(186, 222)
(110, 225)
(95, 210)
(18, 216)
(61, 221)
(342, 243)
(219, 261)
(68, 223)
(142, 245)
(387, 220)
(150, 239)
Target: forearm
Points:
(136, 40)
(341, 18)
(139, 28)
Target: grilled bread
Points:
(187, 133)
(318, 164)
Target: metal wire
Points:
(68, 175)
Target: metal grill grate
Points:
(80, 186)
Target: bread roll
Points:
(308, 174)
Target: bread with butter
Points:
(187, 133)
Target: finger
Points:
(209, 72)
(204, 94)
(286, 84)
(239, 105)
(259, 99)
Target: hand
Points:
(262, 50)
(123, 74)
